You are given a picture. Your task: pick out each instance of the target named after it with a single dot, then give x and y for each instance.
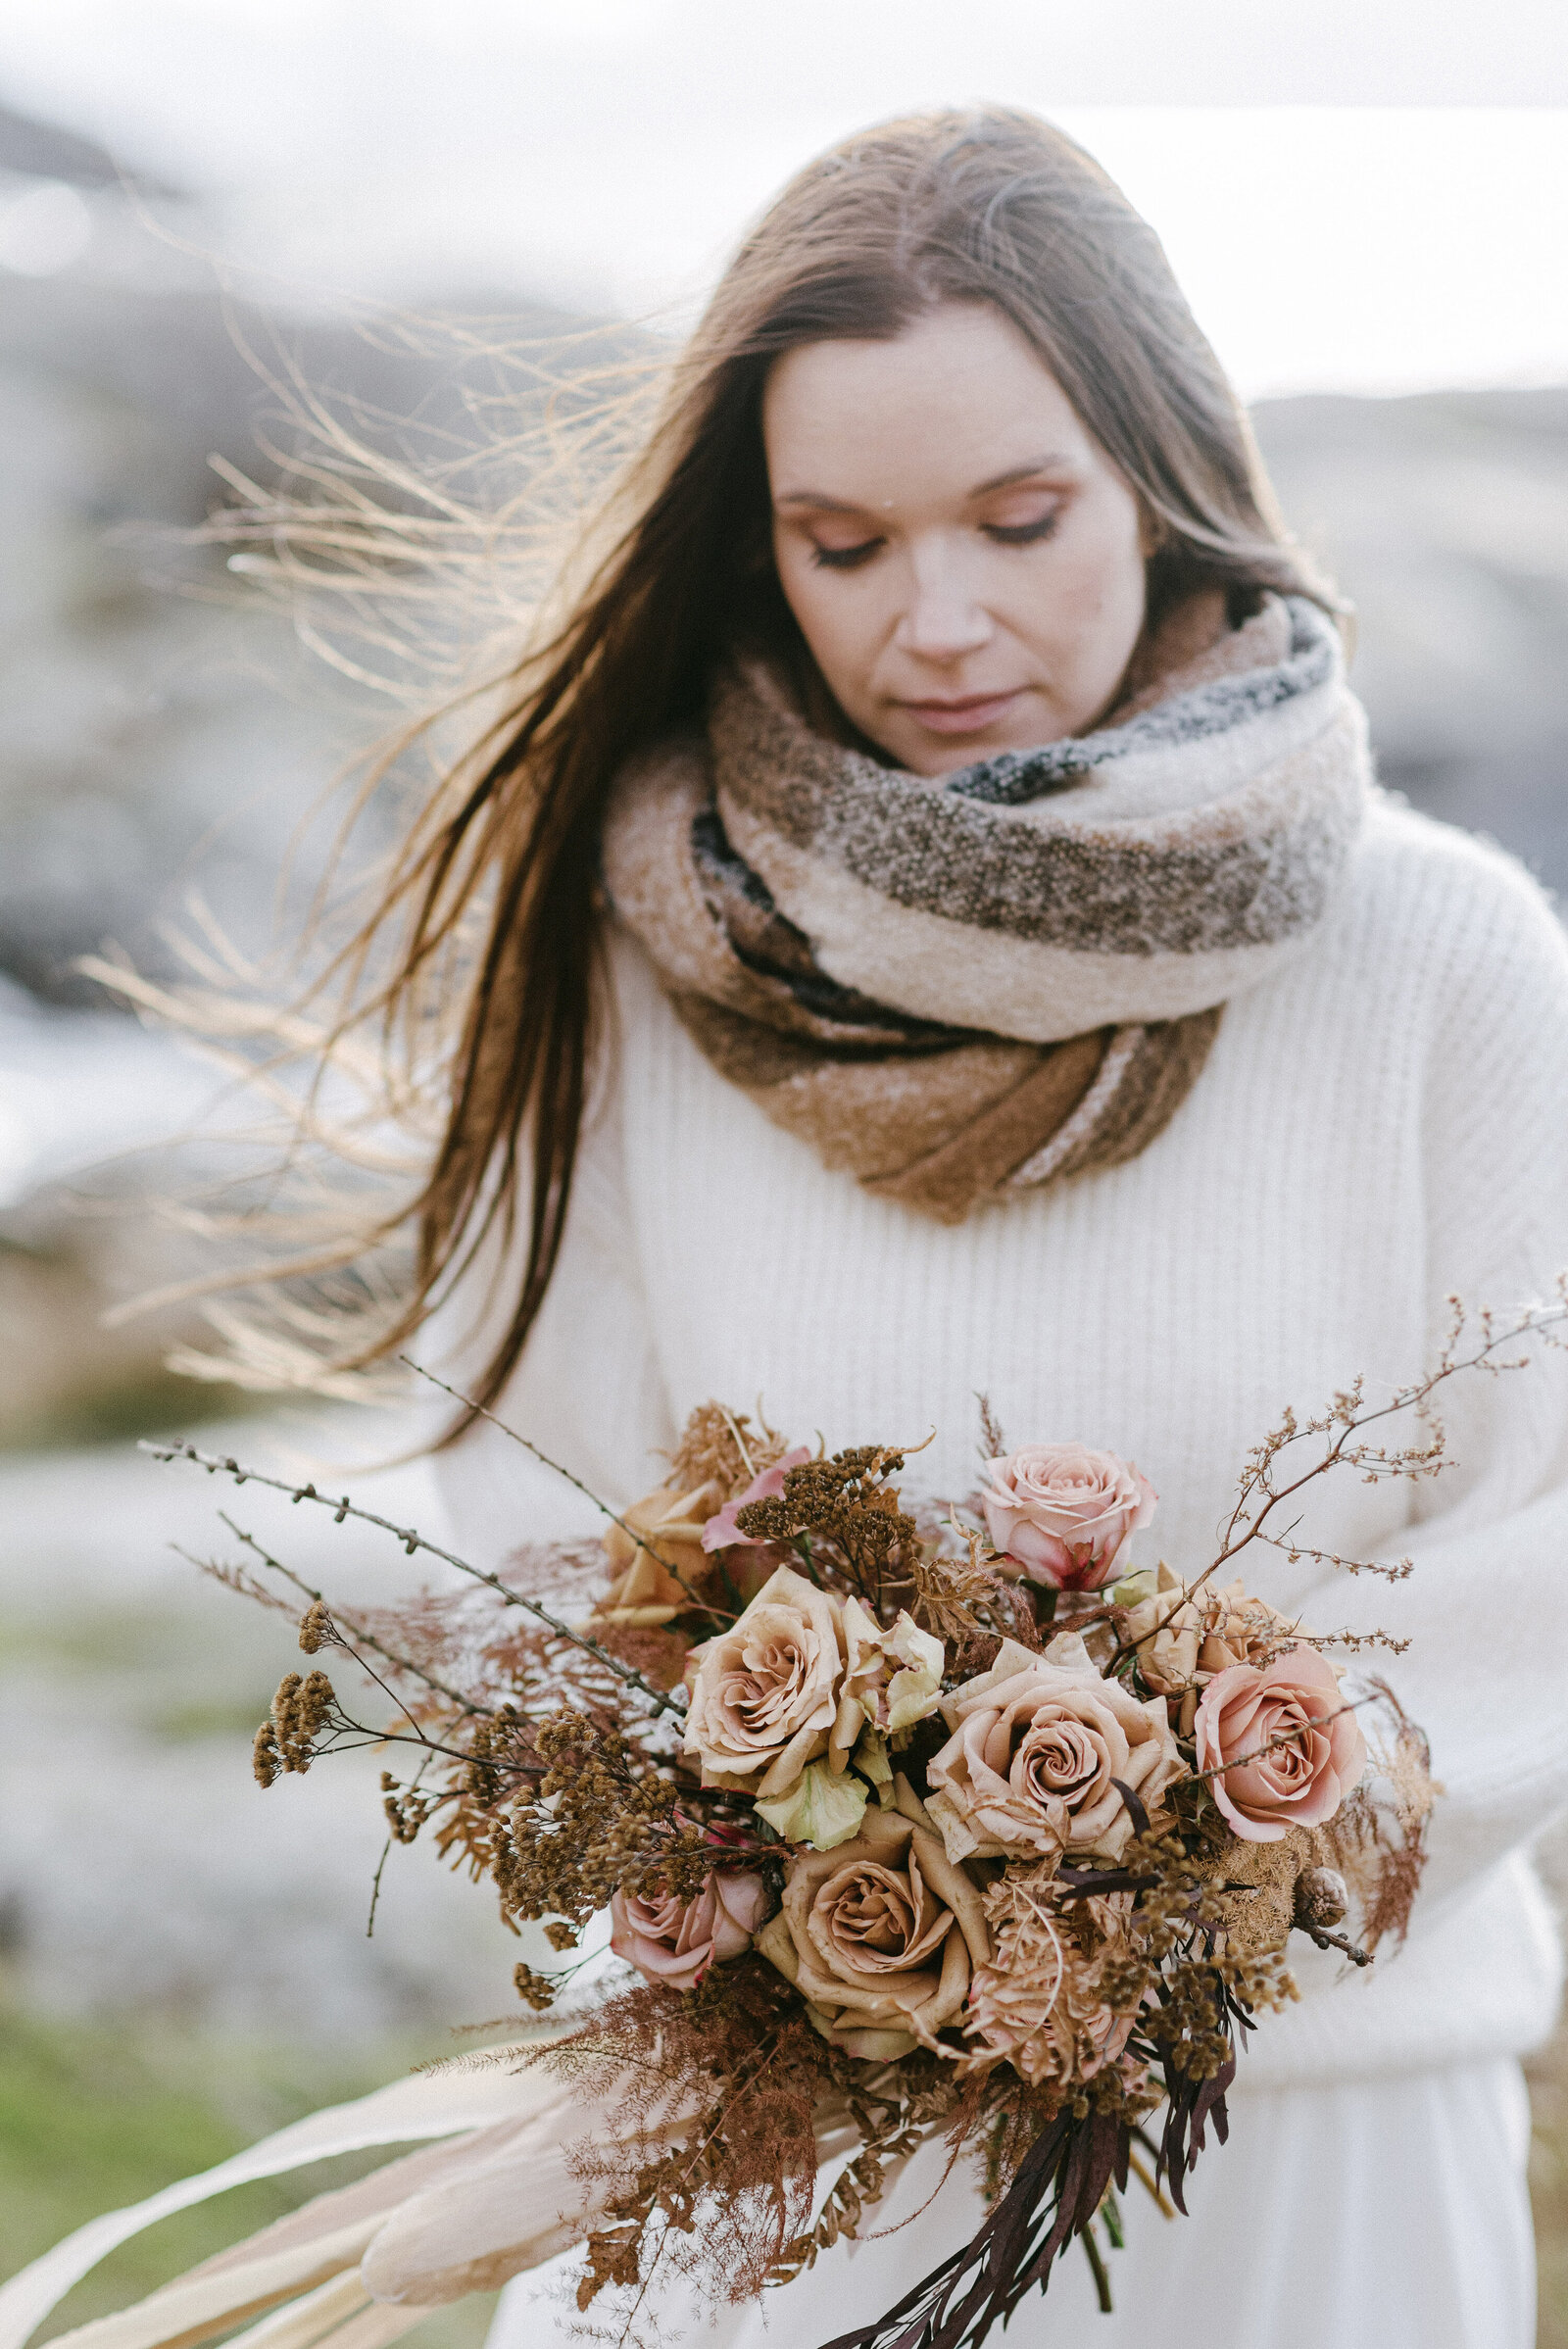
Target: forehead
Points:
(959, 397)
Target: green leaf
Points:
(822, 1809)
(871, 1758)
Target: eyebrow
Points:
(1052, 463)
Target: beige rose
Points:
(1061, 1513)
(879, 1937)
(1037, 1742)
(675, 1941)
(769, 1694)
(644, 1594)
(1265, 1788)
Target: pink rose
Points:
(675, 1941)
(722, 1530)
(1301, 1783)
(1061, 1512)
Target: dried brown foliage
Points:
(722, 1448)
(659, 1655)
(964, 1601)
(993, 1443)
(739, 2062)
(846, 1518)
(1378, 1838)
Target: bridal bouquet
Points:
(908, 1822)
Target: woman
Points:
(1151, 1083)
(939, 935)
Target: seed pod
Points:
(1321, 1899)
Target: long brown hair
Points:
(988, 205)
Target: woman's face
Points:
(964, 562)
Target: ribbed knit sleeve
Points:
(1486, 1671)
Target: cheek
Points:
(1115, 558)
(1086, 600)
(836, 611)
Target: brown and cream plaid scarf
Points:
(963, 987)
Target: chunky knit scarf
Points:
(962, 988)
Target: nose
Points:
(941, 619)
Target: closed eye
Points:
(846, 558)
(1022, 534)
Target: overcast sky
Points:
(1364, 195)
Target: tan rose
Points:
(893, 1676)
(644, 1594)
(1165, 1629)
(1061, 1513)
(769, 1694)
(1037, 1743)
(879, 1937)
(675, 1941)
(1298, 1782)
(1184, 1636)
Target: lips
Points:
(970, 714)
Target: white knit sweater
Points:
(1381, 1125)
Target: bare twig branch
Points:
(1259, 1496)
(1340, 1942)
(1285, 1737)
(465, 1704)
(639, 1540)
(412, 1540)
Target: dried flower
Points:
(317, 1629)
(535, 1990)
(264, 1761)
(880, 1936)
(1183, 1637)
(722, 1448)
(893, 1676)
(1039, 1744)
(722, 1530)
(1321, 1898)
(596, 1818)
(643, 1591)
(301, 1710)
(850, 1517)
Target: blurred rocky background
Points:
(183, 1963)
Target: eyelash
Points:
(1023, 534)
(1018, 534)
(844, 558)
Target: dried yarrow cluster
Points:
(906, 1824)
